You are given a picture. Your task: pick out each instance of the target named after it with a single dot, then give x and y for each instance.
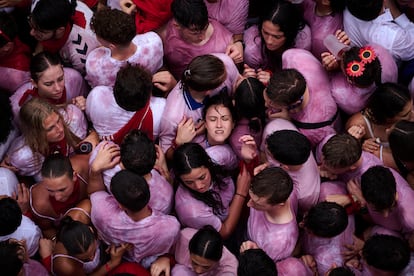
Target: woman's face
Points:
(201, 265)
(51, 82)
(273, 37)
(61, 187)
(89, 254)
(53, 125)
(219, 124)
(198, 180)
(405, 114)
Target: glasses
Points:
(296, 104)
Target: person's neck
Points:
(196, 95)
(209, 33)
(148, 177)
(123, 52)
(280, 214)
(323, 10)
(140, 215)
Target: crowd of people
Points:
(211, 137)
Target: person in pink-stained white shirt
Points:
(121, 46)
(124, 216)
(202, 253)
(206, 195)
(273, 209)
(139, 154)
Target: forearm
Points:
(235, 209)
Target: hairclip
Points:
(355, 69)
(187, 73)
(367, 54)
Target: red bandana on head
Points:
(151, 14)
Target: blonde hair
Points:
(32, 115)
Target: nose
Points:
(198, 270)
(386, 213)
(250, 203)
(58, 86)
(32, 32)
(219, 123)
(199, 185)
(58, 196)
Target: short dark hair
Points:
(378, 187)
(365, 10)
(254, 262)
(341, 150)
(10, 257)
(385, 252)
(207, 243)
(326, 219)
(76, 236)
(387, 101)
(10, 216)
(114, 26)
(56, 165)
(289, 147)
(130, 190)
(249, 103)
(341, 271)
(52, 14)
(204, 73)
(400, 140)
(133, 87)
(274, 183)
(190, 13)
(138, 152)
(8, 26)
(286, 86)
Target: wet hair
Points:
(11, 259)
(254, 262)
(289, 147)
(192, 14)
(6, 116)
(341, 271)
(114, 26)
(365, 10)
(387, 253)
(286, 87)
(387, 101)
(130, 190)
(41, 62)
(401, 140)
(220, 99)
(249, 103)
(10, 216)
(8, 27)
(274, 183)
(207, 243)
(76, 236)
(133, 87)
(56, 165)
(192, 156)
(289, 19)
(378, 187)
(138, 152)
(371, 71)
(326, 219)
(32, 115)
(341, 151)
(52, 14)
(205, 72)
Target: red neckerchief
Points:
(61, 147)
(151, 14)
(19, 58)
(61, 207)
(142, 120)
(54, 45)
(35, 94)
